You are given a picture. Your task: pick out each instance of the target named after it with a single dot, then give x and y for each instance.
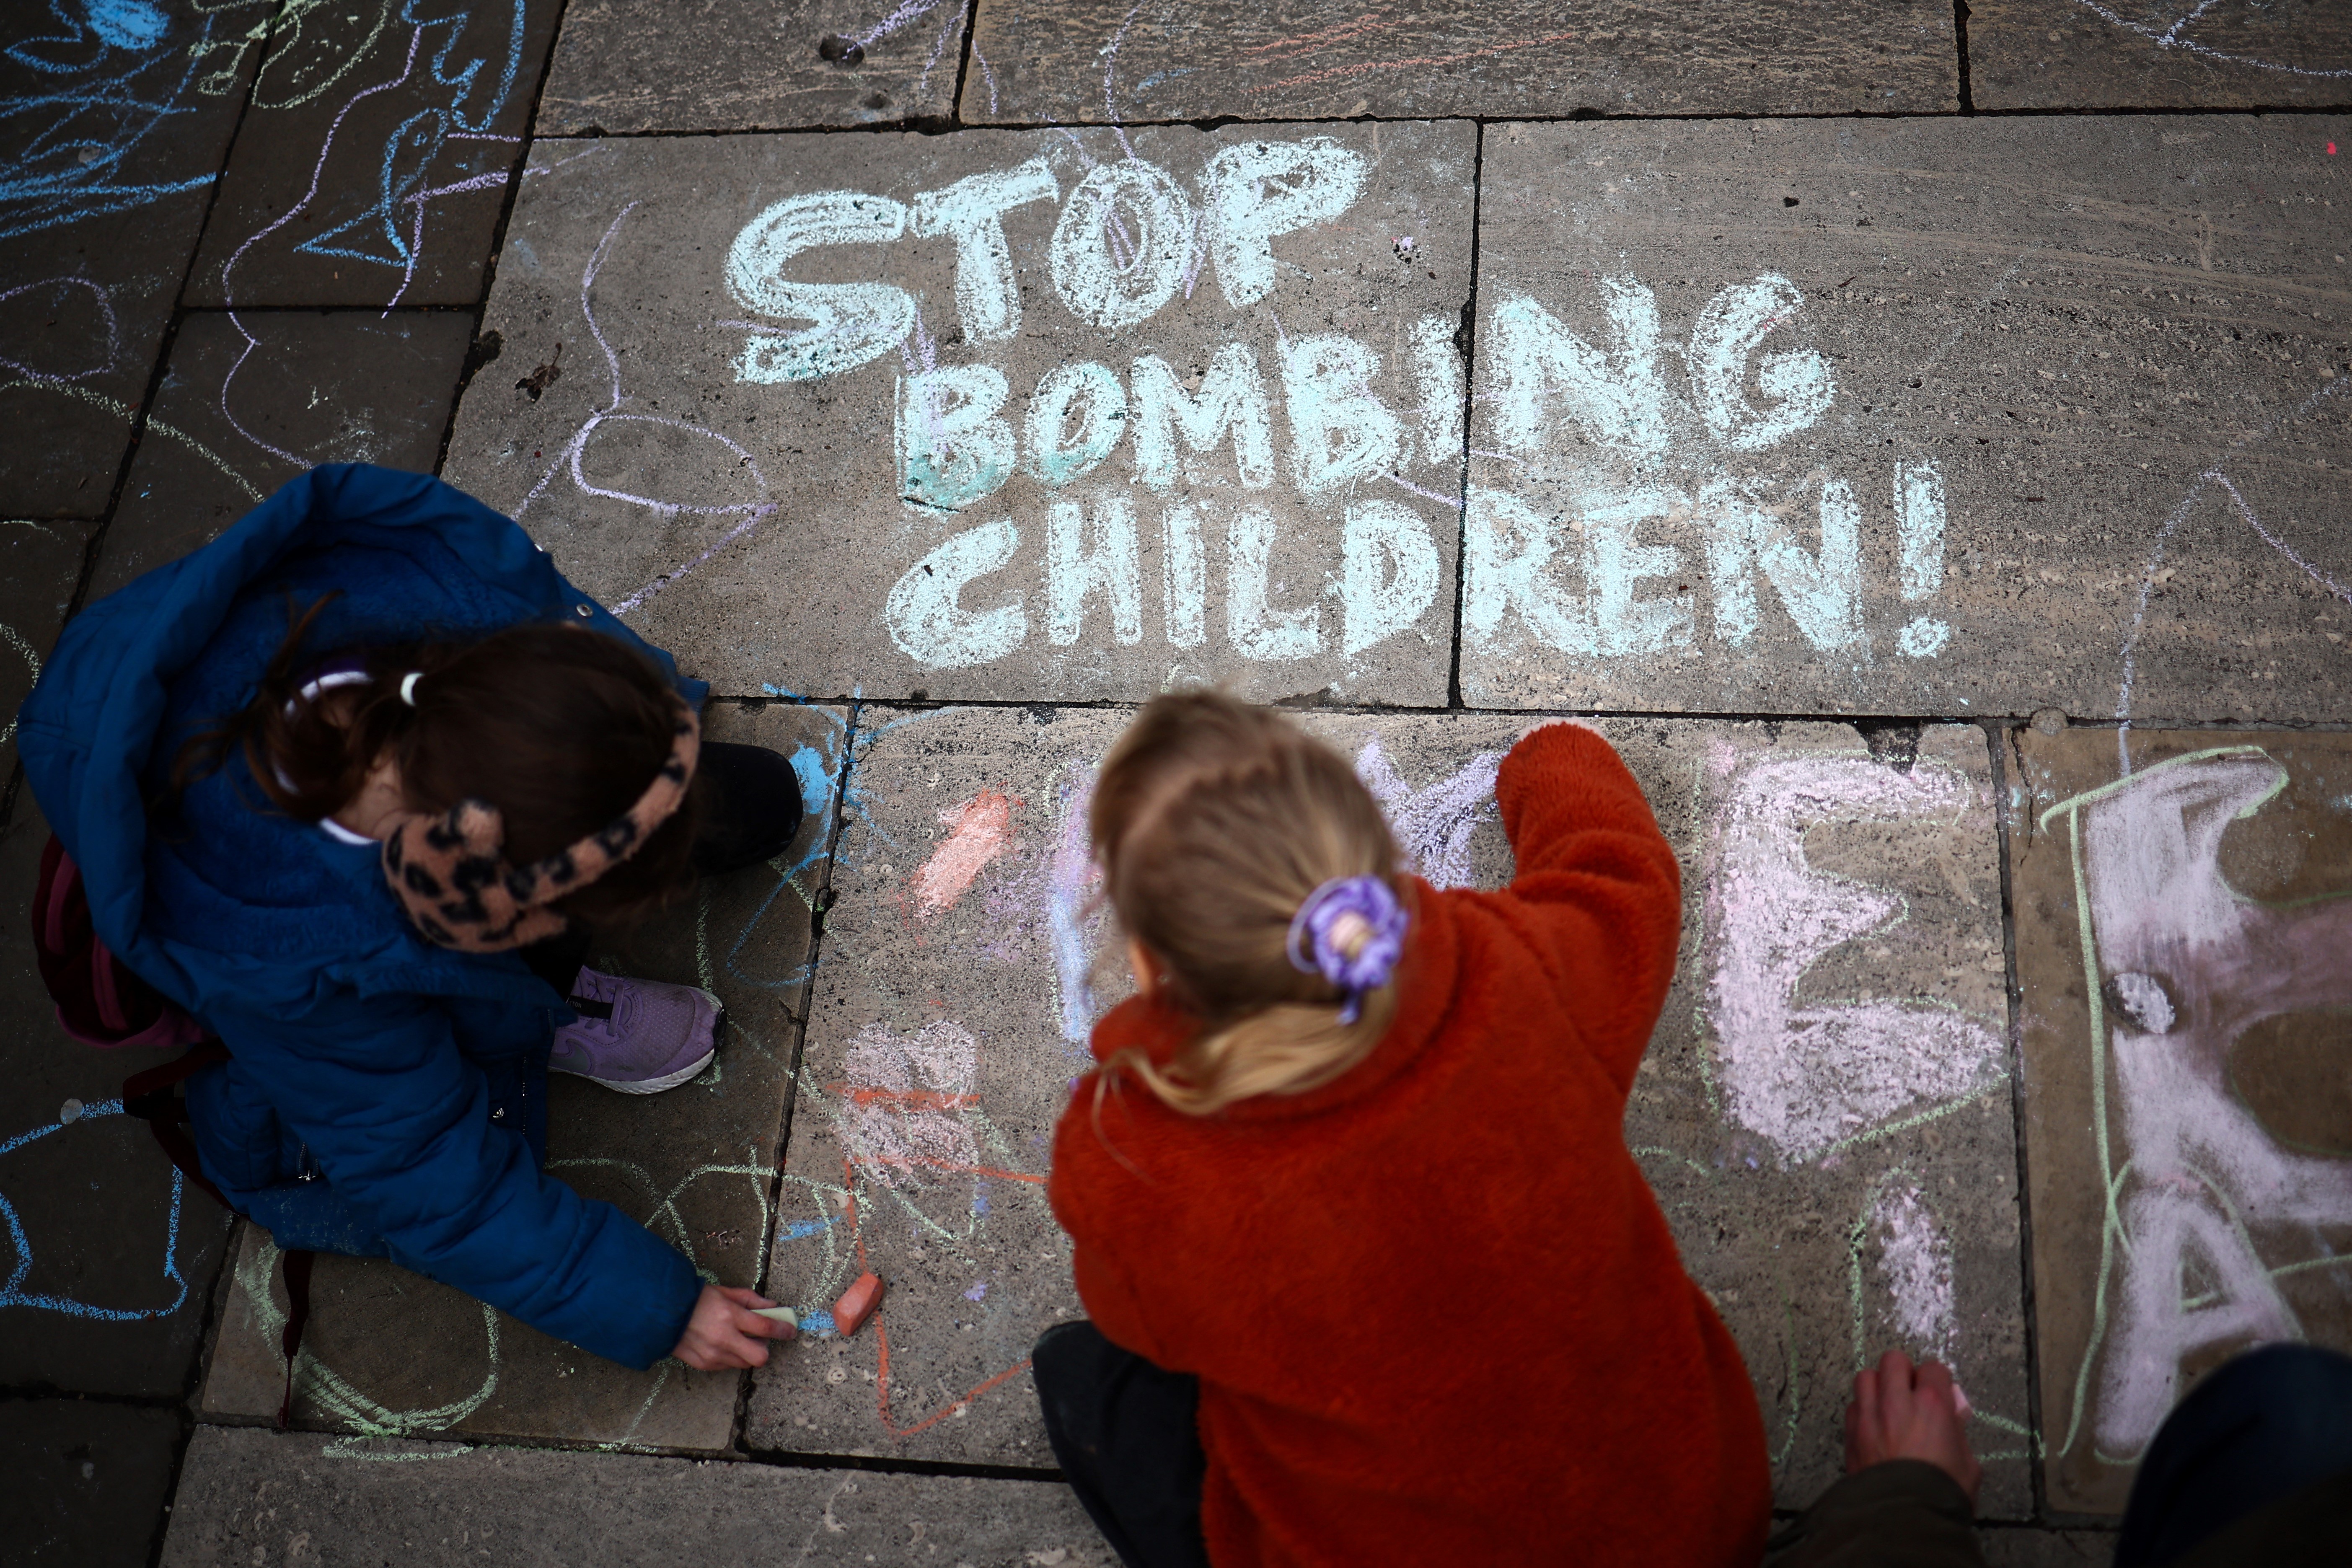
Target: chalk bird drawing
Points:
(107, 83)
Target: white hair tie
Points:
(408, 686)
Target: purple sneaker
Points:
(639, 1037)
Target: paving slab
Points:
(849, 505)
(374, 160)
(2182, 928)
(108, 1255)
(1828, 1123)
(115, 130)
(1911, 416)
(2152, 54)
(254, 398)
(2030, 1548)
(389, 1352)
(1032, 60)
(87, 1481)
(251, 1496)
(741, 65)
(40, 562)
(949, 1017)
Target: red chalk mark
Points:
(1416, 61)
(882, 1330)
(1307, 43)
(2331, 149)
(915, 1098)
(856, 1304)
(978, 832)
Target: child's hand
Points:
(1900, 1412)
(725, 1334)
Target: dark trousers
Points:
(1123, 1432)
(2272, 1423)
(751, 810)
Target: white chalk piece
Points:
(69, 1111)
(778, 1315)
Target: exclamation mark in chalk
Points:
(1919, 522)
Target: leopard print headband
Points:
(447, 870)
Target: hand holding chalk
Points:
(730, 1329)
(1900, 1412)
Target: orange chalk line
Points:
(1362, 66)
(922, 1098)
(1306, 42)
(882, 1330)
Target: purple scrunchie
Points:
(1359, 914)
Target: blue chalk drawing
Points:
(128, 24)
(802, 1229)
(111, 76)
(822, 775)
(12, 1292)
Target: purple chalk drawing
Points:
(2178, 965)
(1809, 1078)
(902, 1110)
(1071, 878)
(1434, 826)
(1915, 1266)
(747, 515)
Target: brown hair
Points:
(1214, 821)
(558, 727)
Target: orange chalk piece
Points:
(856, 1304)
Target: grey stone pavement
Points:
(1918, 430)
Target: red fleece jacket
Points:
(1435, 1312)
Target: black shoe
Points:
(751, 808)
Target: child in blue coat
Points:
(367, 851)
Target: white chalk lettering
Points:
(1506, 568)
(928, 623)
(1256, 629)
(1722, 339)
(1055, 457)
(1074, 572)
(1118, 252)
(1919, 523)
(1261, 189)
(1339, 431)
(954, 447)
(1617, 562)
(1387, 576)
(1618, 398)
(1822, 592)
(1232, 397)
(1185, 566)
(1437, 381)
(853, 323)
(972, 210)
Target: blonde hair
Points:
(1214, 821)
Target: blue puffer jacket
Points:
(388, 1098)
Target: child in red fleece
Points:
(1371, 1275)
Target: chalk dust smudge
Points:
(979, 830)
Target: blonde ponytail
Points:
(1216, 823)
